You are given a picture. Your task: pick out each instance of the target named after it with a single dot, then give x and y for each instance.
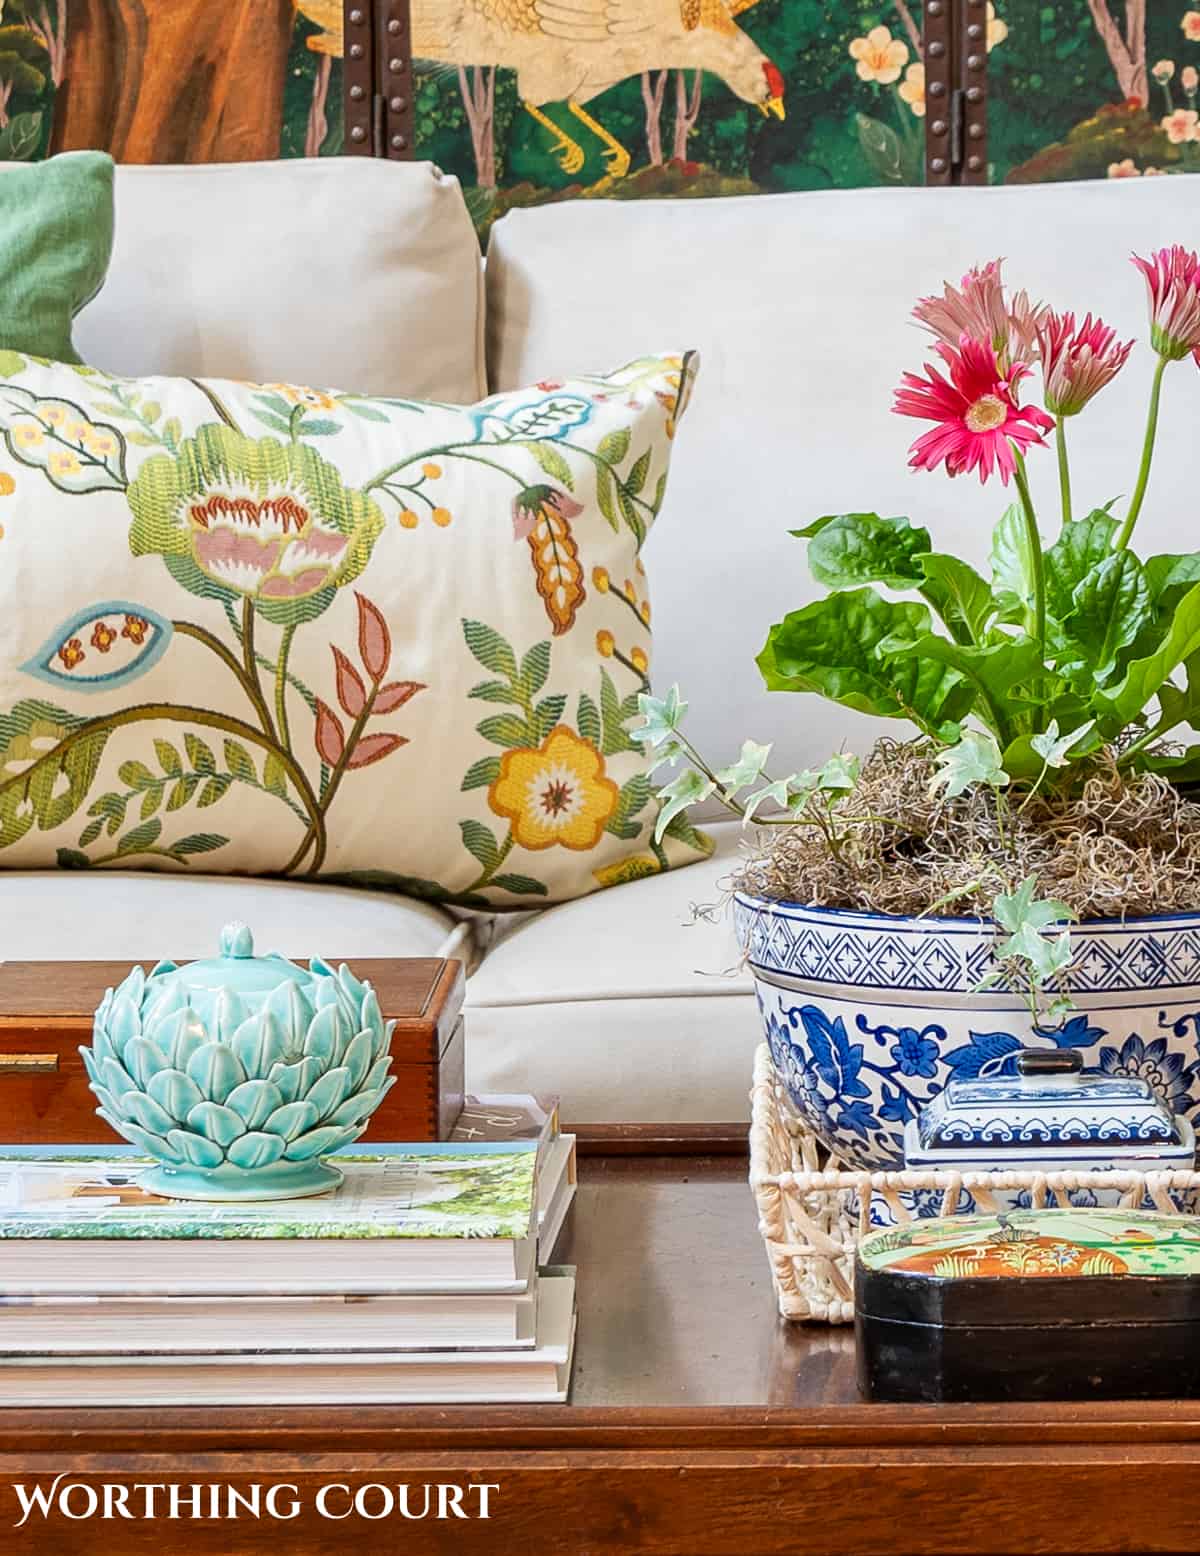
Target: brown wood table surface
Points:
(701, 1424)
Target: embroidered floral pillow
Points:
(268, 629)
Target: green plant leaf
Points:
(479, 841)
(1171, 570)
(213, 790)
(491, 650)
(1081, 546)
(995, 672)
(1053, 748)
(840, 773)
(1012, 566)
(862, 548)
(832, 647)
(90, 833)
(1143, 677)
(1111, 603)
(958, 594)
(481, 774)
(151, 800)
(182, 791)
(661, 717)
(818, 525)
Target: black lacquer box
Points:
(1030, 1305)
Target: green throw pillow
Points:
(56, 232)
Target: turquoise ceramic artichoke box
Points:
(237, 1074)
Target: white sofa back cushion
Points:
(800, 308)
(341, 273)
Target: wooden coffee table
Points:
(701, 1425)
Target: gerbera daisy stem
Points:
(1036, 625)
(1064, 469)
(1139, 491)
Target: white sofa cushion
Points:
(800, 307)
(342, 272)
(126, 915)
(627, 1003)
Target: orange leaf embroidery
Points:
(556, 566)
(373, 748)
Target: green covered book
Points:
(425, 1218)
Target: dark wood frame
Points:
(378, 85)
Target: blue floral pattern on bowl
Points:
(868, 1016)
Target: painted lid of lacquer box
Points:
(1033, 1267)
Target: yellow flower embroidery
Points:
(28, 434)
(557, 793)
(54, 415)
(7, 485)
(315, 399)
(879, 56)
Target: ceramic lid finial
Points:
(236, 940)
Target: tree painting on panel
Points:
(1096, 89)
(171, 80)
(536, 100)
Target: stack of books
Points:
(422, 1279)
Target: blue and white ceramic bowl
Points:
(869, 1015)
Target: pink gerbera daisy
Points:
(1173, 286)
(1077, 362)
(980, 425)
(979, 307)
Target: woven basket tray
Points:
(812, 1210)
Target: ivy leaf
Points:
(1053, 748)
(975, 759)
(688, 789)
(1026, 919)
(661, 717)
(746, 769)
(478, 841)
(840, 772)
(862, 548)
(780, 793)
(1021, 909)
